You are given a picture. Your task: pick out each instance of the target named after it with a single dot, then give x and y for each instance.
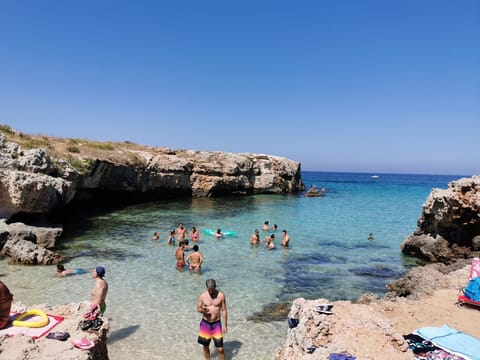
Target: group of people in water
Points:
(269, 240)
(194, 260)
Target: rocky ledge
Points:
(449, 226)
(59, 174)
(27, 348)
(373, 328)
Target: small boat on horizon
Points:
(314, 192)
(375, 176)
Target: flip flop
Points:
(292, 323)
(326, 312)
(62, 335)
(83, 343)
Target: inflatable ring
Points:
(33, 324)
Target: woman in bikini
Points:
(195, 259)
(194, 235)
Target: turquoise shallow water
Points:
(153, 307)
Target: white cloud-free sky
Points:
(348, 85)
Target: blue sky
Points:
(369, 86)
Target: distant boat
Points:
(313, 192)
(375, 176)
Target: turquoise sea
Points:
(152, 306)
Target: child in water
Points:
(171, 238)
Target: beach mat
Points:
(34, 333)
(452, 341)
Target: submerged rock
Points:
(271, 312)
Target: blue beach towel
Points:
(452, 340)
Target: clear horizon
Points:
(371, 86)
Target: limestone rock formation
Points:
(24, 347)
(35, 182)
(449, 225)
(29, 244)
(352, 328)
(68, 172)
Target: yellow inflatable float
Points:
(33, 324)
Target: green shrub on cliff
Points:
(7, 129)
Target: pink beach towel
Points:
(475, 269)
(35, 333)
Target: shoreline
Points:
(361, 328)
(371, 326)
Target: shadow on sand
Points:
(232, 348)
(123, 333)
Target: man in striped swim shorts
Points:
(213, 305)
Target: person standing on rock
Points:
(100, 289)
(213, 305)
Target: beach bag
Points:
(472, 291)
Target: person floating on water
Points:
(155, 236)
(371, 237)
(219, 234)
(62, 272)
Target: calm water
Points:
(153, 307)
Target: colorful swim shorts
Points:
(209, 330)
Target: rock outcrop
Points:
(373, 328)
(68, 173)
(348, 330)
(29, 244)
(449, 226)
(36, 182)
(24, 347)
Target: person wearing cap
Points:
(212, 305)
(100, 289)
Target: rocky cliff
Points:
(43, 175)
(449, 226)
